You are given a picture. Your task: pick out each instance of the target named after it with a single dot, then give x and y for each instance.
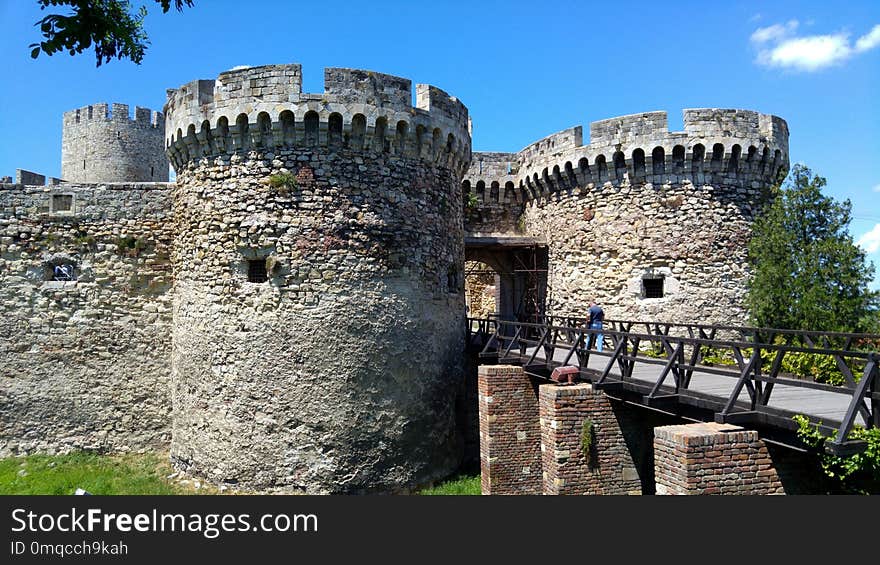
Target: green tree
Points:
(109, 25)
(808, 272)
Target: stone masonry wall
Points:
(84, 364)
(607, 466)
(339, 370)
(510, 435)
(710, 458)
(101, 143)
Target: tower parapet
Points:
(735, 148)
(261, 108)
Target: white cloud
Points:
(239, 67)
(778, 47)
(774, 32)
(870, 241)
(876, 188)
(870, 40)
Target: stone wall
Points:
(480, 290)
(338, 369)
(101, 143)
(84, 364)
(493, 206)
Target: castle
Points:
(290, 311)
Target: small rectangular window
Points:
(62, 202)
(257, 271)
(653, 288)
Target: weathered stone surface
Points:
(340, 372)
(84, 364)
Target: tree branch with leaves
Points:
(112, 27)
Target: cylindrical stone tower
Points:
(99, 145)
(654, 224)
(318, 327)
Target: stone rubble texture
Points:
(342, 372)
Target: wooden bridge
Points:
(727, 374)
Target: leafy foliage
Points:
(808, 273)
(857, 473)
(109, 25)
(472, 202)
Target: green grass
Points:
(97, 474)
(132, 474)
(462, 484)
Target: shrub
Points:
(283, 182)
(858, 473)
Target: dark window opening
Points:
(152, 174)
(62, 202)
(63, 272)
(653, 287)
(84, 164)
(257, 271)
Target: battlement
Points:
(726, 147)
(263, 107)
(117, 113)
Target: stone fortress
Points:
(290, 312)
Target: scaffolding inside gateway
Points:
(518, 289)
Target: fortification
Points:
(653, 223)
(100, 143)
(318, 307)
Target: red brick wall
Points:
(566, 470)
(510, 441)
(710, 458)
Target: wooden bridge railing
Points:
(757, 355)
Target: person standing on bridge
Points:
(597, 316)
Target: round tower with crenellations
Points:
(318, 318)
(653, 223)
(101, 143)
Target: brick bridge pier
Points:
(538, 437)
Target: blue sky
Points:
(524, 69)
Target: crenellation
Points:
(624, 129)
(370, 109)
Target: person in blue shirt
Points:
(597, 316)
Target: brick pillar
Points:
(610, 468)
(510, 441)
(710, 458)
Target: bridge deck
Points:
(827, 406)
